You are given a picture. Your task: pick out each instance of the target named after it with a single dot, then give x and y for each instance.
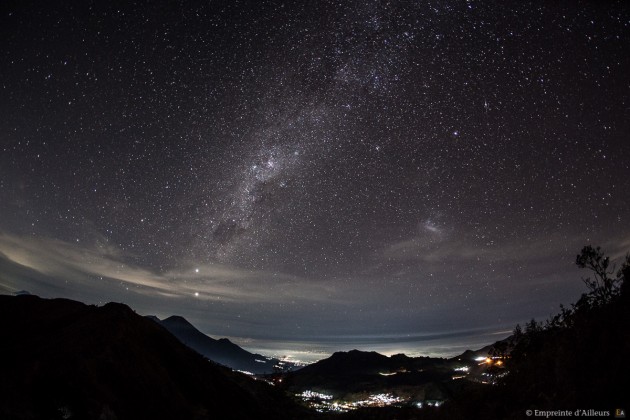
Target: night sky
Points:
(314, 176)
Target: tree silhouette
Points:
(603, 288)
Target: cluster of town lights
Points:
(324, 402)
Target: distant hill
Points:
(64, 359)
(346, 373)
(221, 351)
(362, 362)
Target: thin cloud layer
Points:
(85, 266)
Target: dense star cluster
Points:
(412, 175)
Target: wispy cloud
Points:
(432, 247)
(618, 249)
(86, 266)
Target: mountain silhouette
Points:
(221, 351)
(355, 371)
(65, 359)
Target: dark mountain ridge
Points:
(64, 359)
(221, 351)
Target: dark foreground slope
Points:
(64, 359)
(575, 361)
(582, 366)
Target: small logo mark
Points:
(620, 413)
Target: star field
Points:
(410, 176)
